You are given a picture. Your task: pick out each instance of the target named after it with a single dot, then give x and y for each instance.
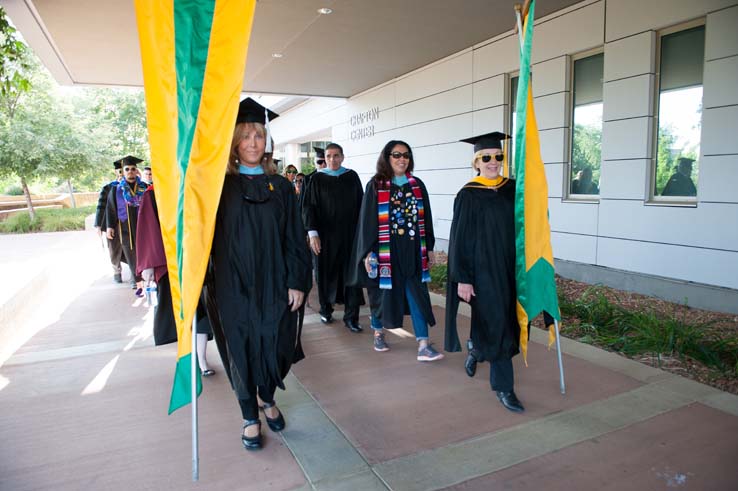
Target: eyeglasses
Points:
(487, 157)
(291, 172)
(129, 169)
(397, 155)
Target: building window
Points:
(681, 61)
(586, 135)
(513, 120)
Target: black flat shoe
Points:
(254, 442)
(470, 365)
(277, 424)
(353, 326)
(208, 373)
(510, 401)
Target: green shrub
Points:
(47, 220)
(647, 333)
(439, 276)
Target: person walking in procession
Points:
(396, 228)
(330, 213)
(481, 267)
(121, 215)
(114, 248)
(259, 274)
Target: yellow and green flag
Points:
(194, 55)
(534, 268)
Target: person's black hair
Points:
(334, 146)
(384, 168)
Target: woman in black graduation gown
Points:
(395, 224)
(260, 272)
(481, 266)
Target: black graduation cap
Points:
(319, 153)
(490, 140)
(276, 161)
(250, 111)
(127, 160)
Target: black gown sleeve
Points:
(460, 264)
(310, 205)
(102, 204)
(462, 240)
(111, 210)
(367, 239)
(297, 254)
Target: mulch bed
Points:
(716, 324)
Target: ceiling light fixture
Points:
(277, 55)
(325, 11)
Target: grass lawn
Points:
(47, 220)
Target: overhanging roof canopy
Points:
(361, 44)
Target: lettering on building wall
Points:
(362, 124)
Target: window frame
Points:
(567, 178)
(651, 197)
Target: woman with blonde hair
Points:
(259, 273)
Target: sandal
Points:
(277, 424)
(251, 442)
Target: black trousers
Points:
(250, 406)
(350, 308)
(501, 377)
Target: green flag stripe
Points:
(520, 144)
(193, 20)
(181, 388)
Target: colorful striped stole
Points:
(383, 208)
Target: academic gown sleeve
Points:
(366, 240)
(102, 204)
(297, 254)
(149, 246)
(310, 206)
(460, 264)
(111, 210)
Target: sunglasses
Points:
(487, 157)
(291, 172)
(397, 155)
(129, 169)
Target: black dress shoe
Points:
(253, 442)
(326, 318)
(470, 364)
(277, 424)
(353, 326)
(510, 401)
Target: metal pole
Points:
(520, 25)
(562, 385)
(193, 379)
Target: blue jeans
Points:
(420, 326)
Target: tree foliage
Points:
(58, 135)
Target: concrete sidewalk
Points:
(83, 405)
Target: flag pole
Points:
(562, 385)
(193, 379)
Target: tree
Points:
(14, 82)
(14, 66)
(23, 142)
(586, 150)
